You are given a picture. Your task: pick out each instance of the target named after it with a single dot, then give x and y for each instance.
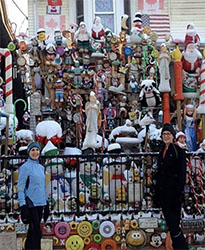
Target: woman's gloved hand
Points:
(46, 212)
(25, 216)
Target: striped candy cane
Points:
(201, 108)
(190, 167)
(8, 75)
(103, 132)
(95, 78)
(80, 123)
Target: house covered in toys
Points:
(95, 97)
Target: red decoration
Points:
(55, 2)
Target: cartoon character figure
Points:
(155, 240)
(133, 85)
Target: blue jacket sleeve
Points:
(23, 175)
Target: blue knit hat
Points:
(33, 145)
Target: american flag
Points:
(159, 23)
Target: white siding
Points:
(183, 12)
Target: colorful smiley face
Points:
(74, 242)
(84, 229)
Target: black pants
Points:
(33, 240)
(171, 208)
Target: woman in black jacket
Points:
(171, 175)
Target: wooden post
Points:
(166, 109)
(179, 117)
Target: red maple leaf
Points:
(150, 2)
(52, 23)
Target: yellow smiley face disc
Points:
(74, 242)
(85, 229)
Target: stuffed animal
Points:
(149, 95)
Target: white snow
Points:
(24, 134)
(49, 129)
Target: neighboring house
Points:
(178, 14)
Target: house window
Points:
(127, 11)
(105, 10)
(80, 11)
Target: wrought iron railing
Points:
(101, 183)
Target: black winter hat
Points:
(168, 127)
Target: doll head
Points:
(181, 137)
(189, 109)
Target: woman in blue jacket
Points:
(32, 196)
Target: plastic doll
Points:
(77, 70)
(98, 30)
(59, 90)
(133, 85)
(188, 122)
(181, 140)
(92, 110)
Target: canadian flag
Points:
(55, 2)
(51, 23)
(151, 5)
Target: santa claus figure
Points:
(82, 38)
(98, 30)
(191, 35)
(191, 58)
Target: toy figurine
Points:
(77, 70)
(181, 140)
(102, 94)
(98, 31)
(82, 37)
(92, 110)
(133, 85)
(59, 90)
(164, 60)
(188, 122)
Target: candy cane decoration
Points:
(103, 132)
(190, 167)
(95, 77)
(8, 79)
(80, 123)
(201, 108)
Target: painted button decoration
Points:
(95, 224)
(92, 246)
(60, 51)
(74, 242)
(84, 229)
(62, 230)
(127, 51)
(97, 238)
(109, 244)
(107, 229)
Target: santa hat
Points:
(180, 134)
(49, 149)
(138, 18)
(190, 27)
